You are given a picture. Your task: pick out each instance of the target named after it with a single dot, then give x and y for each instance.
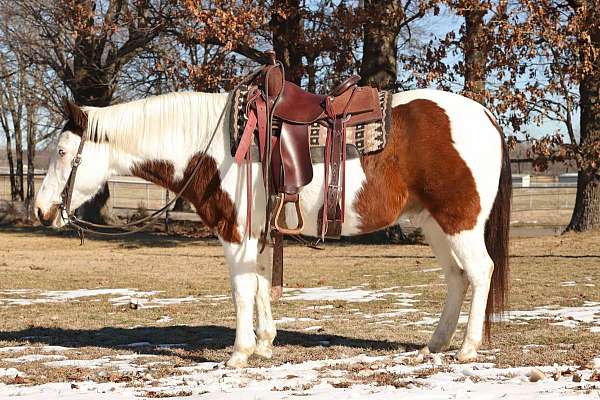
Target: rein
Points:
(82, 226)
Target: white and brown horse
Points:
(445, 167)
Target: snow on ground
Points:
(126, 296)
(570, 317)
(407, 376)
(357, 294)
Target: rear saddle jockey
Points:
(278, 117)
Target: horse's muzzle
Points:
(48, 218)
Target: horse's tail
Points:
(496, 237)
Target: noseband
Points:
(67, 194)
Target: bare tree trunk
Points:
(586, 214)
(286, 27)
(9, 157)
(475, 54)
(379, 61)
(31, 143)
(19, 192)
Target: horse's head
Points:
(92, 172)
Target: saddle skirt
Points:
(361, 139)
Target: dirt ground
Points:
(177, 313)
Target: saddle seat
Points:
(299, 106)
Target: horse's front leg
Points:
(265, 330)
(242, 260)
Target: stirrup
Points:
(278, 222)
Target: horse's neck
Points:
(172, 151)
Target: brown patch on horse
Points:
(419, 168)
(212, 204)
(76, 115)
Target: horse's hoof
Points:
(264, 350)
(466, 355)
(237, 360)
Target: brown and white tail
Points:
(496, 239)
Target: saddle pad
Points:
(367, 138)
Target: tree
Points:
(382, 22)
(287, 30)
(556, 45)
(23, 91)
(87, 43)
(12, 98)
(475, 49)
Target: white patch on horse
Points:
(171, 127)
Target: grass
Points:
(95, 328)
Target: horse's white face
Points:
(91, 175)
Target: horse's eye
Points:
(61, 152)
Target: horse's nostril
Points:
(40, 215)
(44, 221)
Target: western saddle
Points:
(279, 115)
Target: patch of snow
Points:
(35, 296)
(313, 328)
(571, 317)
(34, 357)
(325, 307)
(333, 378)
(328, 293)
(120, 362)
(431, 270)
(151, 302)
(165, 319)
(14, 349)
(10, 373)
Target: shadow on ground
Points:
(196, 339)
(136, 240)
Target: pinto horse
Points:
(445, 167)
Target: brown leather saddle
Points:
(285, 151)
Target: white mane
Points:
(142, 126)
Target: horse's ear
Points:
(75, 114)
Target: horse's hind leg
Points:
(470, 250)
(456, 281)
(265, 330)
(242, 260)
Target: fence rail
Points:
(539, 202)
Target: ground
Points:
(150, 316)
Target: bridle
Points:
(81, 226)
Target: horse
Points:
(445, 167)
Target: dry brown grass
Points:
(94, 327)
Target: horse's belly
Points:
(311, 200)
